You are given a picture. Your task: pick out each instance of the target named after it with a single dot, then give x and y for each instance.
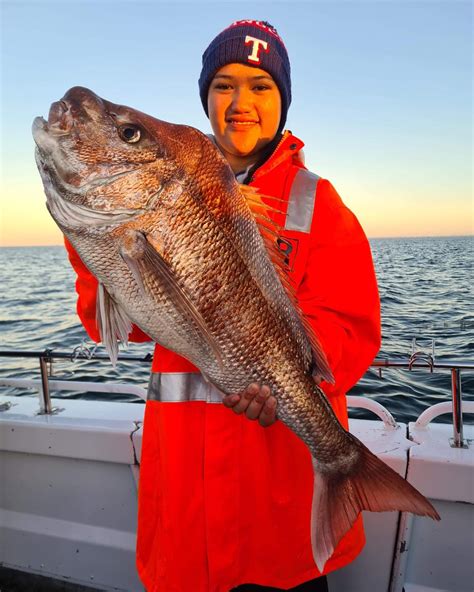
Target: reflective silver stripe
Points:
(176, 387)
(301, 202)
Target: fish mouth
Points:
(49, 157)
(40, 126)
(46, 136)
(78, 103)
(60, 123)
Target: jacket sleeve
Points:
(86, 288)
(338, 293)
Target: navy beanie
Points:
(253, 43)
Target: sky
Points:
(382, 95)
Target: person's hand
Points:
(256, 402)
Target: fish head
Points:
(104, 164)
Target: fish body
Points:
(156, 214)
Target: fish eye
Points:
(129, 133)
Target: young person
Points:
(224, 502)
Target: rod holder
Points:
(45, 397)
(458, 440)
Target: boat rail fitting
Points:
(421, 356)
(374, 406)
(83, 351)
(443, 408)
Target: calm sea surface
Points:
(425, 286)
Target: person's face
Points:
(244, 106)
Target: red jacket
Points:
(223, 501)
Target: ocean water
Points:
(426, 293)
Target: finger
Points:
(268, 413)
(231, 400)
(256, 405)
(246, 397)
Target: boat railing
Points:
(420, 360)
(417, 360)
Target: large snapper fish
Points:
(184, 252)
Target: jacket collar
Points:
(288, 148)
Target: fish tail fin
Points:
(370, 485)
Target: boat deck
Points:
(12, 580)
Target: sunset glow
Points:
(381, 97)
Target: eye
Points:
(130, 133)
(221, 86)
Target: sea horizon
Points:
(430, 236)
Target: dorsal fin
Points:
(255, 201)
(270, 231)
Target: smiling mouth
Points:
(241, 124)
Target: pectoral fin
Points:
(144, 259)
(113, 323)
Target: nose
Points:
(80, 94)
(59, 116)
(241, 100)
(83, 103)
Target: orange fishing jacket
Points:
(223, 501)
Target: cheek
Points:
(271, 118)
(270, 113)
(216, 106)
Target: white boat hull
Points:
(69, 500)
